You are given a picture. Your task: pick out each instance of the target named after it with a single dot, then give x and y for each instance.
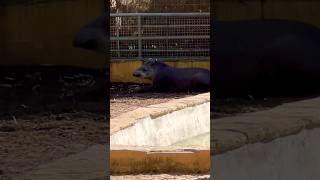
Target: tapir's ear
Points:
(153, 60)
(144, 61)
(149, 61)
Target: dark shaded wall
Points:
(302, 10)
(41, 32)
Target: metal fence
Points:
(162, 35)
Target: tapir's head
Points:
(148, 69)
(93, 36)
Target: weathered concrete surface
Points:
(294, 157)
(171, 137)
(233, 132)
(167, 129)
(128, 119)
(280, 143)
(89, 164)
(202, 140)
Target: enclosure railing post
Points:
(139, 37)
(118, 26)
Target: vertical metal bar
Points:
(118, 46)
(117, 19)
(139, 38)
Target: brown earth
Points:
(31, 140)
(123, 99)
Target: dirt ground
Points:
(31, 140)
(123, 99)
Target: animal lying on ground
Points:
(170, 79)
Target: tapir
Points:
(166, 78)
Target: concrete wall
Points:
(293, 157)
(42, 33)
(173, 138)
(167, 129)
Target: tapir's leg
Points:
(145, 89)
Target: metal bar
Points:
(174, 50)
(159, 14)
(204, 58)
(160, 37)
(139, 37)
(124, 50)
(178, 25)
(174, 25)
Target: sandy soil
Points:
(45, 114)
(31, 140)
(123, 99)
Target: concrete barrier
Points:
(171, 137)
(280, 143)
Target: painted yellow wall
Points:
(128, 162)
(121, 71)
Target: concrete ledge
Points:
(280, 143)
(171, 137)
(294, 157)
(128, 119)
(264, 126)
(232, 132)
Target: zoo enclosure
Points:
(160, 35)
